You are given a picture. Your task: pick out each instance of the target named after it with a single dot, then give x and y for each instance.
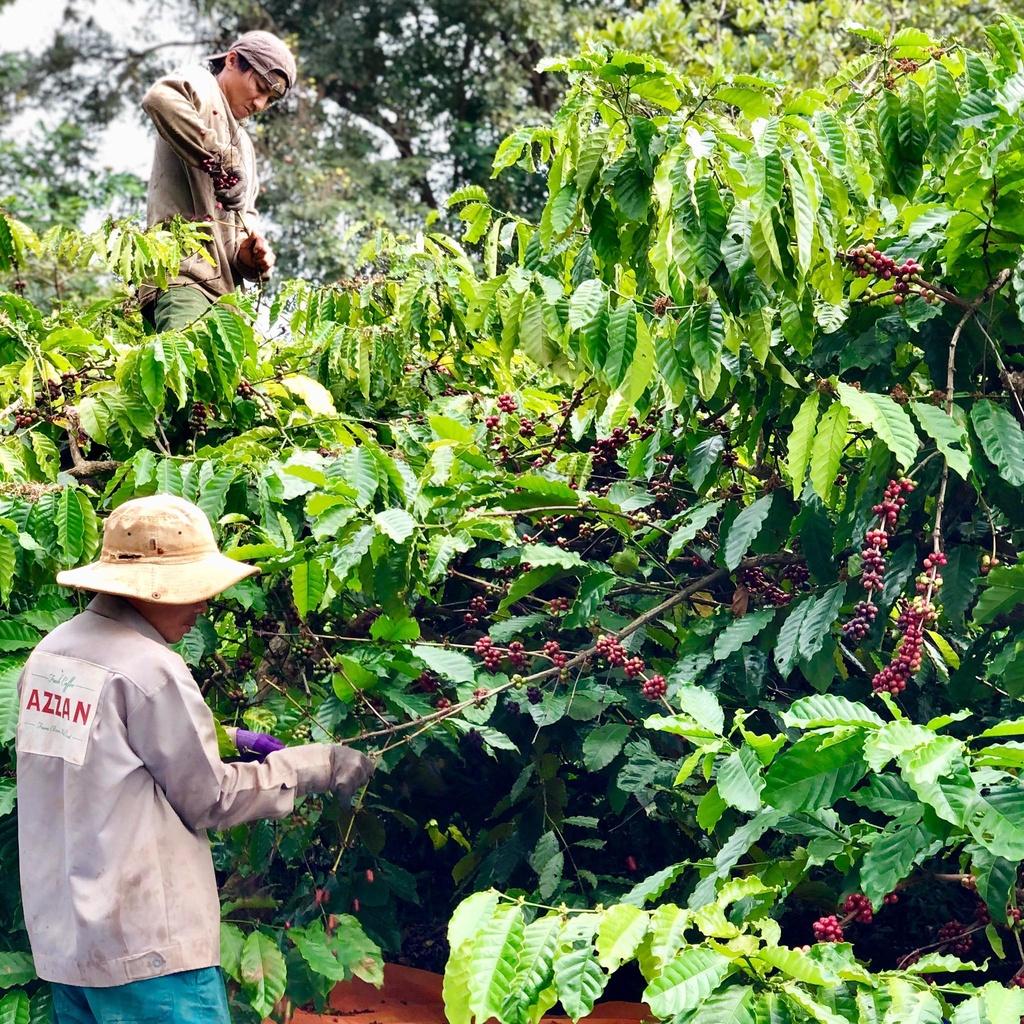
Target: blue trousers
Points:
(189, 997)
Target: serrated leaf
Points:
(579, 981)
(396, 523)
(16, 636)
(587, 303)
(827, 450)
(800, 438)
(817, 622)
(797, 965)
(1001, 439)
(811, 774)
(687, 980)
(533, 333)
(949, 437)
(707, 335)
(745, 528)
(495, 954)
(654, 886)
(996, 820)
(1004, 591)
(740, 781)
(603, 744)
(263, 972)
(449, 665)
(70, 526)
(892, 857)
(622, 336)
(733, 1004)
(548, 554)
(10, 671)
(621, 929)
(693, 522)
(309, 582)
(15, 1008)
(535, 967)
(826, 709)
(741, 631)
(803, 217)
(886, 418)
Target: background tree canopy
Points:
(402, 102)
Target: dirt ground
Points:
(412, 996)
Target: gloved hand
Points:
(229, 185)
(350, 771)
(229, 188)
(256, 745)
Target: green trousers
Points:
(177, 307)
(188, 997)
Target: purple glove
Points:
(254, 746)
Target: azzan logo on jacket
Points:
(59, 697)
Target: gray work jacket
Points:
(119, 776)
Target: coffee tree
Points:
(665, 550)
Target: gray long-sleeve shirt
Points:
(194, 122)
(118, 777)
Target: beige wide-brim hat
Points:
(159, 549)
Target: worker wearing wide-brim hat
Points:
(204, 169)
(119, 776)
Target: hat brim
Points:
(265, 69)
(160, 581)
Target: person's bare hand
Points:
(256, 255)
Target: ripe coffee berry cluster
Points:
(517, 654)
(914, 618)
(526, 427)
(492, 655)
(558, 605)
(197, 418)
(604, 449)
(426, 682)
(633, 667)
(492, 422)
(797, 573)
(911, 623)
(507, 402)
(245, 389)
(868, 261)
(872, 556)
(553, 649)
(26, 418)
(952, 934)
(828, 929)
(859, 907)
(222, 180)
(654, 688)
(611, 650)
(893, 500)
(478, 605)
(762, 587)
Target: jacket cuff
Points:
(312, 764)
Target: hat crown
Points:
(267, 53)
(160, 528)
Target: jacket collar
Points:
(117, 608)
